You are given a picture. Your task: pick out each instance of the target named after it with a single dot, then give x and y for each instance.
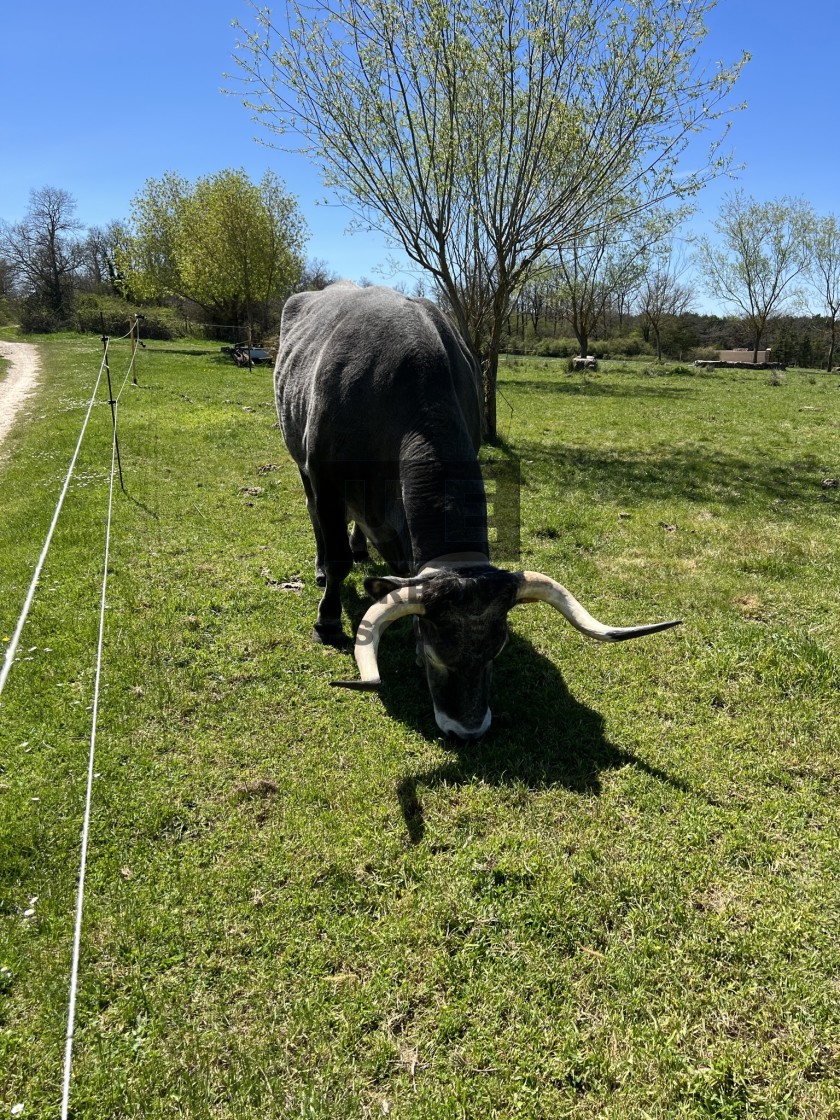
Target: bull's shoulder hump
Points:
(320, 306)
(295, 307)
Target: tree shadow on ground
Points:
(599, 389)
(541, 735)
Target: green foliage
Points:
(36, 318)
(627, 347)
(662, 369)
(112, 316)
(8, 313)
(705, 354)
(232, 246)
(557, 347)
(303, 902)
(763, 250)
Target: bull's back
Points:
(365, 373)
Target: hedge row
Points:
(627, 347)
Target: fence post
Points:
(105, 340)
(135, 338)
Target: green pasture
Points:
(301, 901)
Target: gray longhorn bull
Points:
(379, 404)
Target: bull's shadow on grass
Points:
(541, 735)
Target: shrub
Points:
(9, 312)
(704, 354)
(630, 346)
(112, 316)
(662, 370)
(557, 348)
(36, 319)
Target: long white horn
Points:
(537, 588)
(397, 604)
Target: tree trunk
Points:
(831, 344)
(491, 375)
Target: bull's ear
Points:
(380, 586)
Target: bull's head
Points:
(461, 624)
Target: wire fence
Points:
(11, 659)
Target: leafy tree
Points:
(825, 275)
(662, 293)
(43, 251)
(227, 244)
(763, 249)
(480, 136)
(148, 256)
(805, 356)
(98, 270)
(533, 301)
(590, 271)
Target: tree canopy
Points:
(43, 251)
(478, 137)
(591, 270)
(825, 275)
(762, 250)
(223, 242)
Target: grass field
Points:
(301, 901)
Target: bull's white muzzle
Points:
(453, 727)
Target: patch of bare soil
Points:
(18, 382)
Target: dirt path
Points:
(18, 382)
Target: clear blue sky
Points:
(96, 98)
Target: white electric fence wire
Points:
(80, 894)
(120, 393)
(11, 649)
(4, 673)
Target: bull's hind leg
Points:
(334, 559)
(327, 629)
(320, 570)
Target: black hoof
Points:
(329, 635)
(361, 557)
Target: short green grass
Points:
(301, 902)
